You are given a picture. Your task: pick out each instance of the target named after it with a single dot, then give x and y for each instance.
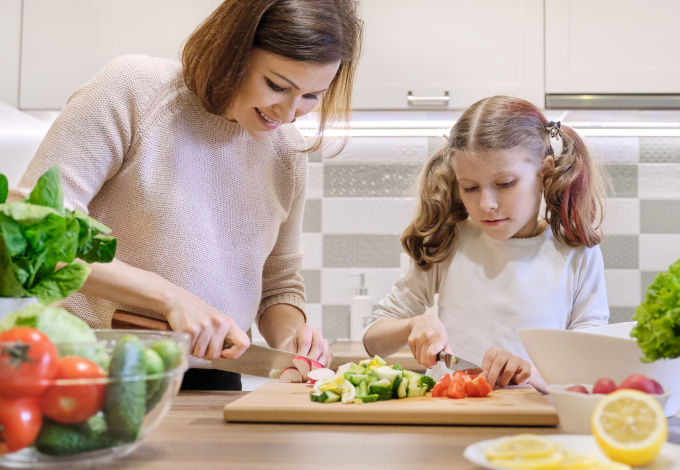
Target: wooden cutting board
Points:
(280, 402)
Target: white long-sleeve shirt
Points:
(489, 290)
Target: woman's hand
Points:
(309, 342)
(501, 366)
(207, 326)
(427, 339)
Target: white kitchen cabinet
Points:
(612, 46)
(65, 42)
(468, 49)
(10, 51)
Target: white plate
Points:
(668, 459)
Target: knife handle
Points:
(123, 320)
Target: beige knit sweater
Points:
(189, 195)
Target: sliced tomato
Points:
(470, 387)
(28, 361)
(457, 387)
(482, 385)
(446, 379)
(20, 423)
(74, 403)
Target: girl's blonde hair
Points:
(575, 190)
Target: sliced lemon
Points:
(630, 427)
(522, 446)
(552, 462)
(606, 466)
(573, 461)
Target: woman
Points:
(201, 176)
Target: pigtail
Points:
(431, 236)
(575, 193)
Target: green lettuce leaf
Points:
(47, 191)
(658, 318)
(9, 284)
(102, 249)
(61, 283)
(25, 213)
(14, 238)
(4, 189)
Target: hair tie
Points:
(554, 129)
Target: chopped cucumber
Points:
(399, 388)
(355, 379)
(357, 369)
(362, 389)
(387, 373)
(416, 392)
(369, 398)
(314, 396)
(382, 388)
(328, 397)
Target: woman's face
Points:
(501, 190)
(277, 90)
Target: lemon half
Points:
(522, 446)
(630, 427)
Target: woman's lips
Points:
(494, 222)
(269, 125)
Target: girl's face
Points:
(501, 190)
(276, 90)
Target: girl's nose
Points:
(286, 110)
(488, 201)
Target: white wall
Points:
(10, 50)
(20, 137)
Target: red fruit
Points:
(604, 386)
(638, 382)
(28, 361)
(578, 389)
(20, 423)
(658, 387)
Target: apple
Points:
(638, 382)
(604, 386)
(578, 389)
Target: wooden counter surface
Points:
(194, 436)
(346, 351)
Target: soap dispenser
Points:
(361, 309)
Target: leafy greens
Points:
(658, 317)
(39, 233)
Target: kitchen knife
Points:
(256, 360)
(455, 363)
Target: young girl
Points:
(478, 241)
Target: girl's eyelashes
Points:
(279, 89)
(506, 185)
(469, 190)
(500, 185)
(311, 97)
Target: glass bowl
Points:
(56, 445)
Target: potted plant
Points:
(36, 236)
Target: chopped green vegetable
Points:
(427, 382)
(388, 373)
(328, 397)
(416, 391)
(356, 369)
(658, 317)
(369, 398)
(355, 379)
(382, 388)
(58, 439)
(397, 367)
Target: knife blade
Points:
(256, 360)
(455, 363)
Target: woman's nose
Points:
(286, 110)
(488, 201)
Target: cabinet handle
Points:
(428, 100)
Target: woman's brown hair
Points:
(216, 56)
(575, 189)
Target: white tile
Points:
(338, 287)
(313, 312)
(658, 251)
(312, 247)
(659, 181)
(366, 215)
(622, 216)
(623, 287)
(383, 150)
(314, 180)
(614, 149)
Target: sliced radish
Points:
(303, 365)
(291, 374)
(320, 374)
(316, 365)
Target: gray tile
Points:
(316, 157)
(624, 179)
(646, 279)
(659, 216)
(349, 180)
(335, 322)
(311, 278)
(620, 251)
(364, 251)
(660, 149)
(620, 314)
(311, 219)
(434, 144)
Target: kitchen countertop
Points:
(194, 435)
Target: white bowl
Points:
(575, 409)
(564, 356)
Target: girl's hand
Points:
(427, 339)
(501, 366)
(207, 326)
(309, 342)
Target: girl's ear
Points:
(547, 165)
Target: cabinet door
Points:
(612, 46)
(65, 42)
(470, 49)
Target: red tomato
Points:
(482, 385)
(457, 387)
(28, 364)
(20, 423)
(74, 403)
(446, 379)
(437, 390)
(470, 387)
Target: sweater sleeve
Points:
(590, 307)
(281, 280)
(410, 296)
(90, 137)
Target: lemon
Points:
(578, 462)
(552, 462)
(522, 446)
(630, 427)
(605, 466)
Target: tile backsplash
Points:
(359, 202)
